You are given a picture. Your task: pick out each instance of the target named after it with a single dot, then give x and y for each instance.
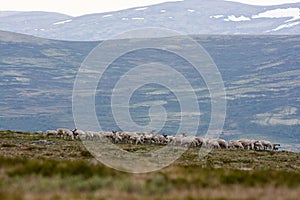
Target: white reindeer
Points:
(51, 132)
(235, 144)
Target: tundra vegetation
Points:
(33, 166)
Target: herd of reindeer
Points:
(151, 138)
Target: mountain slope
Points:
(260, 73)
(187, 17)
(32, 23)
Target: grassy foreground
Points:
(65, 170)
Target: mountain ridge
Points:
(188, 17)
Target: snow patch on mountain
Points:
(216, 16)
(191, 10)
(293, 13)
(288, 25)
(109, 15)
(41, 29)
(62, 22)
(138, 18)
(233, 18)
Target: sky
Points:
(81, 7)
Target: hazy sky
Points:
(81, 7)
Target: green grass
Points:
(67, 170)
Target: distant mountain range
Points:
(187, 17)
(260, 73)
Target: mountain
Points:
(31, 23)
(260, 73)
(187, 17)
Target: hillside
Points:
(260, 73)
